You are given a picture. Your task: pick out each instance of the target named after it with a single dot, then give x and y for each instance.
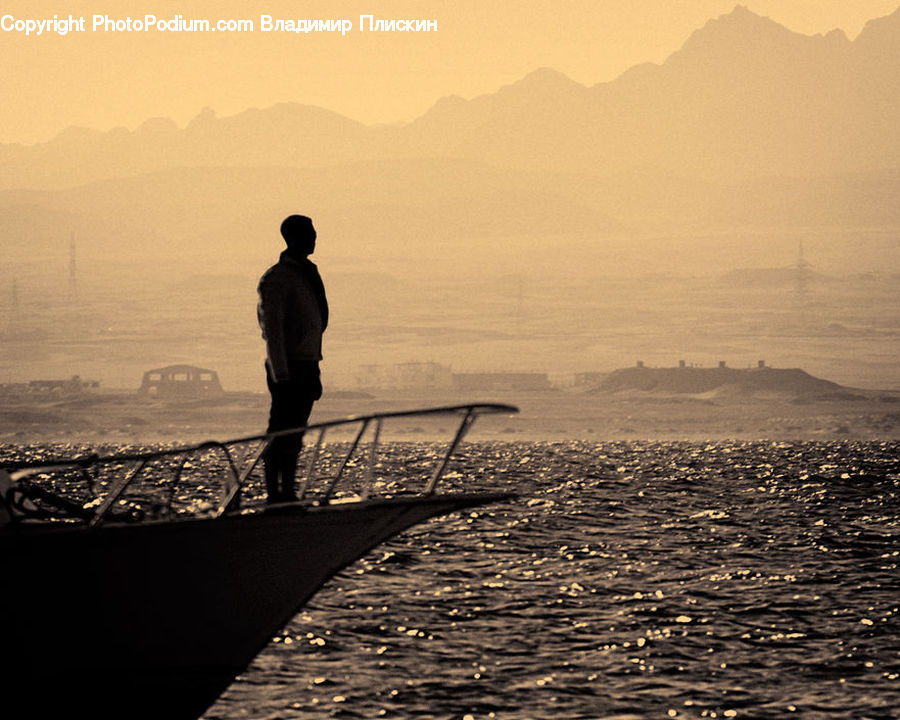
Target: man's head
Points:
(299, 234)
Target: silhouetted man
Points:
(293, 314)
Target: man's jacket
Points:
(293, 314)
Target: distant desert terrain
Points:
(125, 418)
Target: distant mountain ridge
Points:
(748, 124)
(744, 97)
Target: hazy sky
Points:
(103, 80)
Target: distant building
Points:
(501, 381)
(422, 376)
(589, 379)
(71, 387)
(403, 376)
(697, 380)
(181, 381)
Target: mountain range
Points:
(748, 122)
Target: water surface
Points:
(629, 580)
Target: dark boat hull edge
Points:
(155, 620)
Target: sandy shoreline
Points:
(124, 417)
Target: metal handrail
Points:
(236, 478)
(464, 426)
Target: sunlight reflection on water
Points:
(686, 580)
(629, 580)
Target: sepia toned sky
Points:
(104, 80)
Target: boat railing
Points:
(24, 496)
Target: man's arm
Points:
(272, 314)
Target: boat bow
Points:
(123, 607)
